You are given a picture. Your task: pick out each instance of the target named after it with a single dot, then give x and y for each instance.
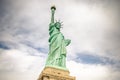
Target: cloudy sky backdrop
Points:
(92, 26)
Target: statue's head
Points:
(58, 25)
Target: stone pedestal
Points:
(50, 73)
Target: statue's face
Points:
(58, 25)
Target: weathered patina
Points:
(57, 45)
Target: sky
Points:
(92, 26)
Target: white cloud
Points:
(91, 72)
(17, 64)
(86, 24)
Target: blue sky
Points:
(92, 26)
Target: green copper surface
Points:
(57, 45)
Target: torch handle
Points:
(53, 12)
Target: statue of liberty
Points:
(57, 44)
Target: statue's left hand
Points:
(67, 42)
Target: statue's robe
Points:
(57, 47)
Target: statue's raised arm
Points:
(53, 8)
